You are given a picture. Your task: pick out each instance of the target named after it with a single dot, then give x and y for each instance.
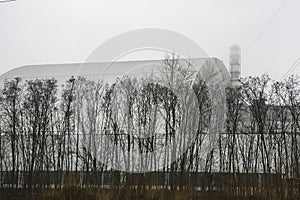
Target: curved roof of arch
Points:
(110, 71)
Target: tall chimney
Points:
(235, 65)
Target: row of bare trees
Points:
(262, 127)
(145, 124)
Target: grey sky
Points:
(53, 31)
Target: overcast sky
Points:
(65, 31)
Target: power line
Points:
(291, 69)
(267, 25)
